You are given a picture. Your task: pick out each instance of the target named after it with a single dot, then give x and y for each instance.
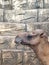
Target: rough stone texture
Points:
(44, 26)
(12, 57)
(18, 57)
(1, 15)
(18, 16)
(7, 42)
(30, 4)
(0, 58)
(44, 15)
(8, 15)
(11, 28)
(29, 58)
(15, 28)
(16, 10)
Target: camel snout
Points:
(18, 39)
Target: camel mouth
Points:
(23, 41)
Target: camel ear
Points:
(41, 32)
(43, 35)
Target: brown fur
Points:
(39, 44)
(42, 51)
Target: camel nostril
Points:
(18, 39)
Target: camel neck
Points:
(42, 51)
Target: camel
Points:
(38, 41)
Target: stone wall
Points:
(17, 16)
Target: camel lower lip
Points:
(24, 43)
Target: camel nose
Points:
(18, 39)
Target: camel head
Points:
(33, 38)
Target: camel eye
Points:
(29, 37)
